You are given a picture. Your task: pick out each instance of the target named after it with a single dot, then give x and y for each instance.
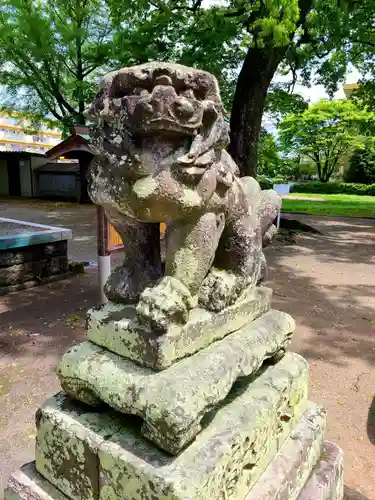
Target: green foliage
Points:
(291, 168)
(306, 170)
(365, 94)
(362, 165)
(325, 132)
(265, 183)
(269, 158)
(182, 31)
(51, 53)
(281, 102)
(333, 188)
(316, 33)
(359, 34)
(336, 34)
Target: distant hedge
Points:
(333, 188)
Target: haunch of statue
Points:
(159, 134)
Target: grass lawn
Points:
(335, 205)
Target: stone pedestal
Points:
(231, 421)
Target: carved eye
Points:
(187, 93)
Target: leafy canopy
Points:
(325, 132)
(51, 51)
(281, 102)
(269, 157)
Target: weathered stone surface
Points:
(67, 443)
(30, 284)
(327, 479)
(29, 271)
(117, 328)
(159, 137)
(289, 470)
(42, 251)
(173, 402)
(27, 484)
(239, 439)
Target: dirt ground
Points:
(325, 281)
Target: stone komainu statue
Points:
(159, 134)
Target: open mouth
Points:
(171, 122)
(166, 126)
(161, 119)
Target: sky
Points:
(317, 92)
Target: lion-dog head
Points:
(163, 124)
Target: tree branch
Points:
(90, 69)
(42, 98)
(363, 42)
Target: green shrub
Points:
(280, 180)
(265, 183)
(333, 188)
(362, 166)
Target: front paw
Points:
(169, 301)
(219, 290)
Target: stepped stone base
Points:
(327, 479)
(116, 328)
(325, 483)
(109, 459)
(289, 470)
(27, 484)
(172, 403)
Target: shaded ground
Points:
(36, 327)
(325, 281)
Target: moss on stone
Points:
(226, 459)
(116, 327)
(173, 402)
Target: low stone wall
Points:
(28, 266)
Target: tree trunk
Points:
(253, 82)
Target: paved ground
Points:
(325, 281)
